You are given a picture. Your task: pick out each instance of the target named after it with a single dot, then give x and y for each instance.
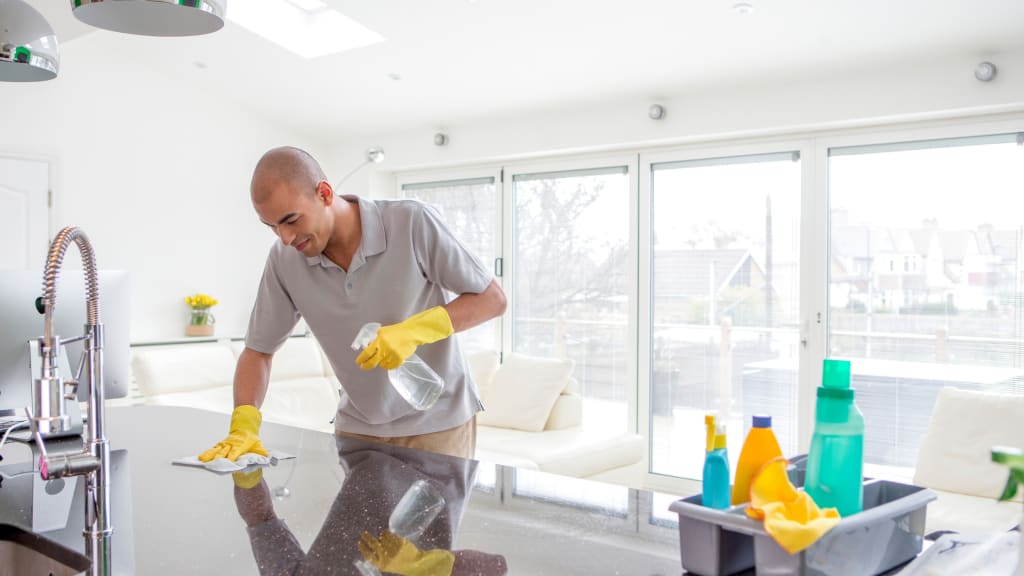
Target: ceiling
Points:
(463, 60)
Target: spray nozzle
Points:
(709, 425)
(366, 334)
(719, 437)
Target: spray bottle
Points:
(716, 468)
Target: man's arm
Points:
(469, 310)
(252, 376)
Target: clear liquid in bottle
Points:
(415, 381)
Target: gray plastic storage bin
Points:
(705, 546)
(886, 534)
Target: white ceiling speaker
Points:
(153, 17)
(985, 71)
(656, 112)
(28, 46)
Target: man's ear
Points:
(325, 192)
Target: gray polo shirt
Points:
(407, 262)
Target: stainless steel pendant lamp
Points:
(28, 46)
(153, 17)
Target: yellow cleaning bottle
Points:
(759, 447)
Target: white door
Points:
(24, 187)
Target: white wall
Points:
(880, 94)
(156, 174)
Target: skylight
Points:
(309, 28)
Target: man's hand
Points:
(242, 438)
(396, 342)
(394, 554)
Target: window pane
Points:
(926, 279)
(470, 209)
(570, 273)
(725, 245)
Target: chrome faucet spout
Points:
(50, 395)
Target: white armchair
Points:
(955, 460)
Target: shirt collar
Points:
(372, 241)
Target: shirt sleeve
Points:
(274, 314)
(443, 259)
(275, 548)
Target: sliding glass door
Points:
(724, 260)
(927, 283)
(571, 276)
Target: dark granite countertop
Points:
(306, 515)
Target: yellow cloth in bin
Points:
(790, 516)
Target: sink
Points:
(23, 553)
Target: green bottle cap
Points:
(835, 374)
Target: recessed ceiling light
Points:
(743, 7)
(309, 28)
(395, 76)
(200, 64)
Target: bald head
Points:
(285, 166)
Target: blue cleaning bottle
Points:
(716, 493)
(835, 463)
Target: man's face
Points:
(300, 218)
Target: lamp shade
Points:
(153, 17)
(28, 46)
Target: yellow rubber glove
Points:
(790, 516)
(246, 480)
(242, 438)
(394, 554)
(396, 342)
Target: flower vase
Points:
(200, 323)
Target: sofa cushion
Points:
(182, 368)
(955, 455)
(570, 452)
(566, 413)
(482, 366)
(298, 357)
(523, 391)
(309, 403)
(962, 513)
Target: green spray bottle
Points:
(835, 463)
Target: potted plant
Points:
(201, 320)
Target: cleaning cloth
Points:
(223, 465)
(790, 516)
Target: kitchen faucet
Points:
(50, 392)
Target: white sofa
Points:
(955, 460)
(533, 418)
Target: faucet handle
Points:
(43, 468)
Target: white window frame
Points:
(813, 145)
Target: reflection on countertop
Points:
(308, 515)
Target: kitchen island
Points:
(307, 515)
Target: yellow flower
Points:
(200, 301)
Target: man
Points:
(342, 262)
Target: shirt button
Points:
(349, 285)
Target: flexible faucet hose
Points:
(54, 260)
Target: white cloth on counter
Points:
(223, 465)
(956, 554)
